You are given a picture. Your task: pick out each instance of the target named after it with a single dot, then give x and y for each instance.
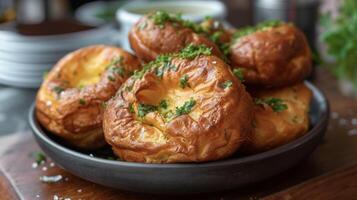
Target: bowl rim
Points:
(38, 131)
(125, 13)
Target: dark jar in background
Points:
(303, 13)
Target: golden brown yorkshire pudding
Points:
(161, 33)
(186, 107)
(70, 101)
(272, 54)
(281, 115)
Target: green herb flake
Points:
(111, 78)
(226, 84)
(58, 89)
(39, 157)
(191, 51)
(119, 70)
(161, 17)
(131, 108)
(185, 108)
(275, 103)
(163, 62)
(144, 109)
(164, 104)
(184, 81)
(82, 102)
(238, 72)
(259, 27)
(216, 36)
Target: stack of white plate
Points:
(24, 59)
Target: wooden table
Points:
(329, 173)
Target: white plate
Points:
(20, 83)
(34, 58)
(55, 46)
(11, 66)
(6, 35)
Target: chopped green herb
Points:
(163, 104)
(184, 81)
(215, 36)
(275, 103)
(51, 179)
(144, 109)
(142, 25)
(251, 29)
(131, 108)
(191, 51)
(82, 101)
(163, 62)
(160, 61)
(161, 17)
(129, 88)
(39, 157)
(185, 108)
(58, 89)
(103, 105)
(111, 78)
(226, 84)
(238, 72)
(119, 70)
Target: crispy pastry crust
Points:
(273, 129)
(149, 40)
(73, 111)
(214, 129)
(275, 56)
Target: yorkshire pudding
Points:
(70, 101)
(271, 54)
(183, 107)
(281, 115)
(162, 33)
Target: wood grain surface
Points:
(18, 180)
(339, 184)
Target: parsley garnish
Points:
(111, 78)
(39, 157)
(191, 51)
(58, 89)
(275, 103)
(119, 70)
(226, 84)
(238, 72)
(82, 101)
(163, 104)
(163, 62)
(251, 29)
(144, 109)
(184, 81)
(116, 67)
(185, 108)
(161, 17)
(131, 108)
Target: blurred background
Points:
(35, 34)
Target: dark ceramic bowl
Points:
(187, 178)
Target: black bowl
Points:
(187, 178)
